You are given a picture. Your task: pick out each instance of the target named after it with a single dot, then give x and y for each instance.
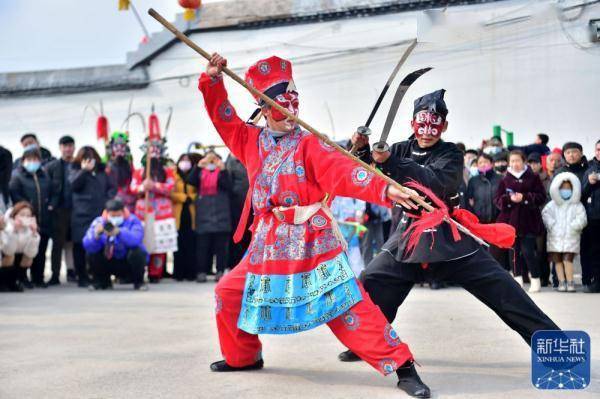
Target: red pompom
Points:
(102, 128)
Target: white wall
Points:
(528, 77)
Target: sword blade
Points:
(381, 145)
(407, 52)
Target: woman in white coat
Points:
(564, 218)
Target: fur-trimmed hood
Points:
(555, 187)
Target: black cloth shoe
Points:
(221, 366)
(140, 287)
(27, 284)
(410, 382)
(71, 276)
(54, 280)
(40, 284)
(349, 356)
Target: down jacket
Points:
(564, 219)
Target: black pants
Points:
(590, 253)
(80, 263)
(525, 257)
(184, 260)
(209, 245)
(543, 263)
(62, 235)
(131, 267)
(9, 277)
(388, 283)
(39, 262)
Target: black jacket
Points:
(541, 149)
(213, 213)
(481, 190)
(91, 190)
(5, 173)
(440, 168)
(35, 189)
(577, 169)
(55, 170)
(590, 193)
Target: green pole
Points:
(510, 138)
(497, 131)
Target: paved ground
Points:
(69, 343)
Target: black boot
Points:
(221, 366)
(54, 280)
(410, 382)
(348, 356)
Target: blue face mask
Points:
(32, 166)
(473, 171)
(116, 220)
(565, 193)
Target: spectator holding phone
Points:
(519, 197)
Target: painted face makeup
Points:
(428, 123)
(119, 149)
(288, 101)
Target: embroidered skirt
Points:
(287, 304)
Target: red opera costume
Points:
(295, 275)
(160, 205)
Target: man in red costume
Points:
(296, 275)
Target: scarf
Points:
(208, 182)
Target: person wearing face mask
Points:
(439, 253)
(590, 250)
(91, 187)
(519, 198)
(120, 168)
(154, 207)
(213, 214)
(29, 141)
(19, 243)
(501, 163)
(565, 219)
(31, 183)
(481, 190)
(185, 264)
(113, 243)
(295, 275)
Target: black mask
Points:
(501, 168)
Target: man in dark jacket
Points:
(539, 146)
(29, 141)
(481, 190)
(590, 250)
(31, 183)
(62, 204)
(575, 161)
(437, 164)
(113, 243)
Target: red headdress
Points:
(271, 76)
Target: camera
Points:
(109, 227)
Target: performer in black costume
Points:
(438, 165)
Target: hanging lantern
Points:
(102, 128)
(190, 8)
(123, 5)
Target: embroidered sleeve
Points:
(235, 133)
(339, 175)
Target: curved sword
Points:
(382, 145)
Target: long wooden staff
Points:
(416, 198)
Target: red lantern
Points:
(190, 8)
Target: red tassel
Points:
(153, 127)
(427, 220)
(102, 128)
